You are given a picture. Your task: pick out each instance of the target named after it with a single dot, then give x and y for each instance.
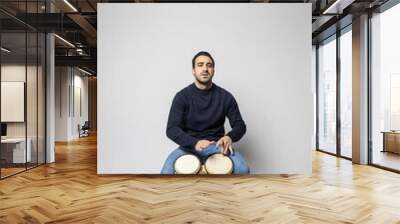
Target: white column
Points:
(50, 100)
(360, 90)
(50, 92)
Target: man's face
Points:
(203, 70)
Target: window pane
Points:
(31, 87)
(346, 93)
(31, 101)
(386, 88)
(41, 98)
(327, 96)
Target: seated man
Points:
(197, 116)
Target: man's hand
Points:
(226, 143)
(202, 144)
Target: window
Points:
(346, 93)
(385, 88)
(327, 96)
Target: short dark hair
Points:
(202, 53)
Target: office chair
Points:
(84, 130)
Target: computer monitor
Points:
(3, 129)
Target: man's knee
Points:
(239, 164)
(177, 153)
(241, 169)
(168, 167)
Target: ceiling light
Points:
(5, 50)
(84, 71)
(331, 7)
(70, 5)
(65, 41)
(338, 6)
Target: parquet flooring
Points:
(10, 171)
(70, 191)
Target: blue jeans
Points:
(239, 164)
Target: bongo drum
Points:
(187, 164)
(203, 170)
(219, 164)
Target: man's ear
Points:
(193, 71)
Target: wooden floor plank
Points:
(70, 191)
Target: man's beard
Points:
(206, 83)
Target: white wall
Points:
(263, 56)
(79, 117)
(18, 73)
(68, 80)
(61, 103)
(33, 127)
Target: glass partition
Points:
(13, 110)
(22, 77)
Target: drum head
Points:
(219, 164)
(187, 164)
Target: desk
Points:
(15, 148)
(391, 141)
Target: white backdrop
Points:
(263, 57)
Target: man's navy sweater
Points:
(198, 114)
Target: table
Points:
(13, 150)
(391, 141)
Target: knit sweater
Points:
(198, 114)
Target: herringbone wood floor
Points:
(70, 191)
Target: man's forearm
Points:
(237, 132)
(181, 138)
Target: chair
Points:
(84, 130)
